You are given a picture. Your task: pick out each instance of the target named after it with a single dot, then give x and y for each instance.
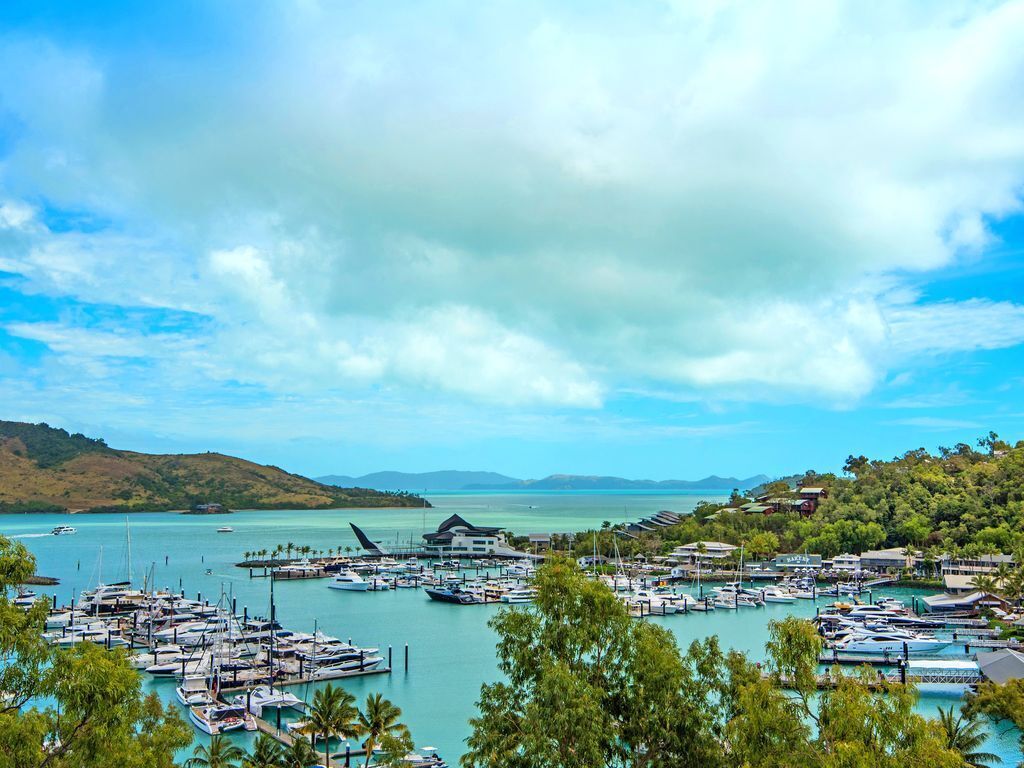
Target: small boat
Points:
(63, 530)
(225, 529)
(454, 595)
(519, 595)
(25, 599)
(349, 581)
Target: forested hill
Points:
(958, 497)
(965, 499)
(47, 469)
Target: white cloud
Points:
(15, 214)
(528, 205)
(929, 422)
(956, 326)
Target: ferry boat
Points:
(349, 581)
(63, 530)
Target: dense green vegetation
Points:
(961, 501)
(585, 686)
(46, 469)
(72, 708)
(48, 446)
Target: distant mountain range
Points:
(450, 480)
(455, 480)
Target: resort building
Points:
(973, 601)
(457, 537)
(805, 502)
(796, 562)
(884, 559)
(846, 562)
(713, 550)
(539, 540)
(968, 566)
(662, 519)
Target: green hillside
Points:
(46, 469)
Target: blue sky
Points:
(649, 239)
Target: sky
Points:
(648, 239)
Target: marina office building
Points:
(457, 537)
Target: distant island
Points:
(43, 469)
(455, 480)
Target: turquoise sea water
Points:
(451, 648)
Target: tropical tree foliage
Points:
(586, 687)
(385, 732)
(333, 714)
(266, 753)
(219, 753)
(966, 736)
(72, 708)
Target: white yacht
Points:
(194, 691)
(225, 529)
(349, 581)
(343, 668)
(63, 530)
(519, 595)
(214, 719)
(774, 594)
(890, 642)
(25, 599)
(263, 696)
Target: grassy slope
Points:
(44, 468)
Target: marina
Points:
(436, 704)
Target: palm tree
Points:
(1002, 576)
(965, 735)
(379, 719)
(265, 754)
(299, 755)
(289, 547)
(220, 754)
(333, 714)
(984, 583)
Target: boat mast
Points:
(128, 547)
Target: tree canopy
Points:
(80, 707)
(585, 686)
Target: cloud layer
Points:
(522, 204)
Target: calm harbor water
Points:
(451, 648)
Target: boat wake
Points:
(29, 535)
